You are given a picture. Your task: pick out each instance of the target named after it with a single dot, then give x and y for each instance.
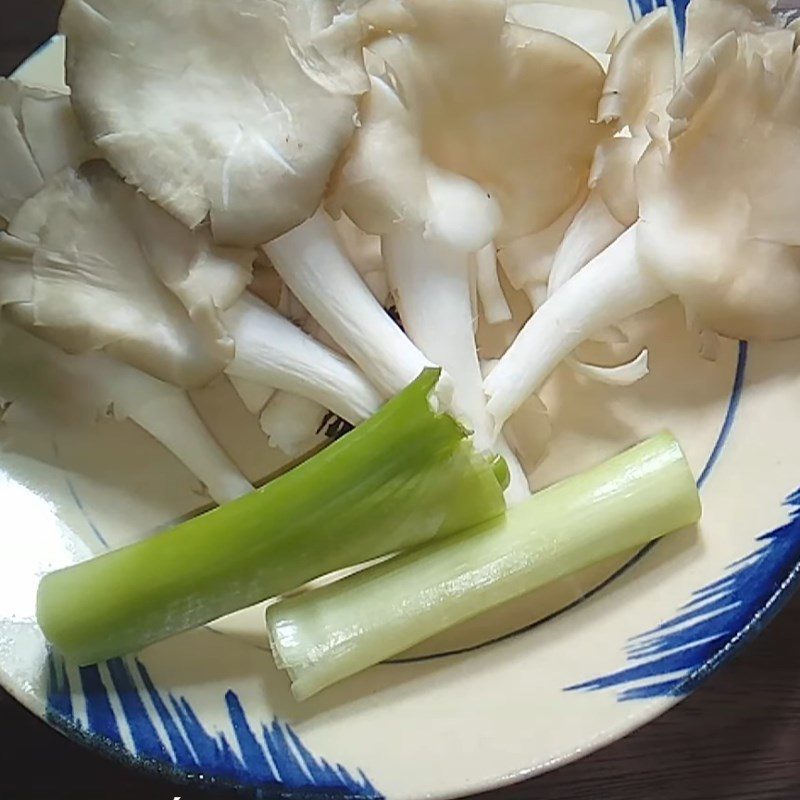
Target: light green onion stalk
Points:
(331, 633)
(405, 476)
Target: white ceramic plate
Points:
(522, 690)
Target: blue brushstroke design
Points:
(679, 10)
(146, 740)
(268, 759)
(101, 717)
(291, 769)
(673, 658)
(60, 696)
(183, 754)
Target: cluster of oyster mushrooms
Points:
(317, 199)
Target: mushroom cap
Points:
(707, 21)
(39, 136)
(91, 264)
(231, 111)
(476, 128)
(640, 84)
(43, 386)
(44, 389)
(719, 200)
(592, 28)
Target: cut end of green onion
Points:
(334, 632)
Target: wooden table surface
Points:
(737, 738)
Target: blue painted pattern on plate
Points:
(265, 757)
(673, 658)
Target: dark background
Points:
(738, 738)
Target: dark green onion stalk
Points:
(402, 478)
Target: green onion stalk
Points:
(404, 477)
(331, 633)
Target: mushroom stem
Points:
(170, 417)
(314, 266)
(255, 396)
(293, 423)
(609, 289)
(431, 283)
(621, 375)
(493, 300)
(96, 381)
(272, 351)
(592, 231)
